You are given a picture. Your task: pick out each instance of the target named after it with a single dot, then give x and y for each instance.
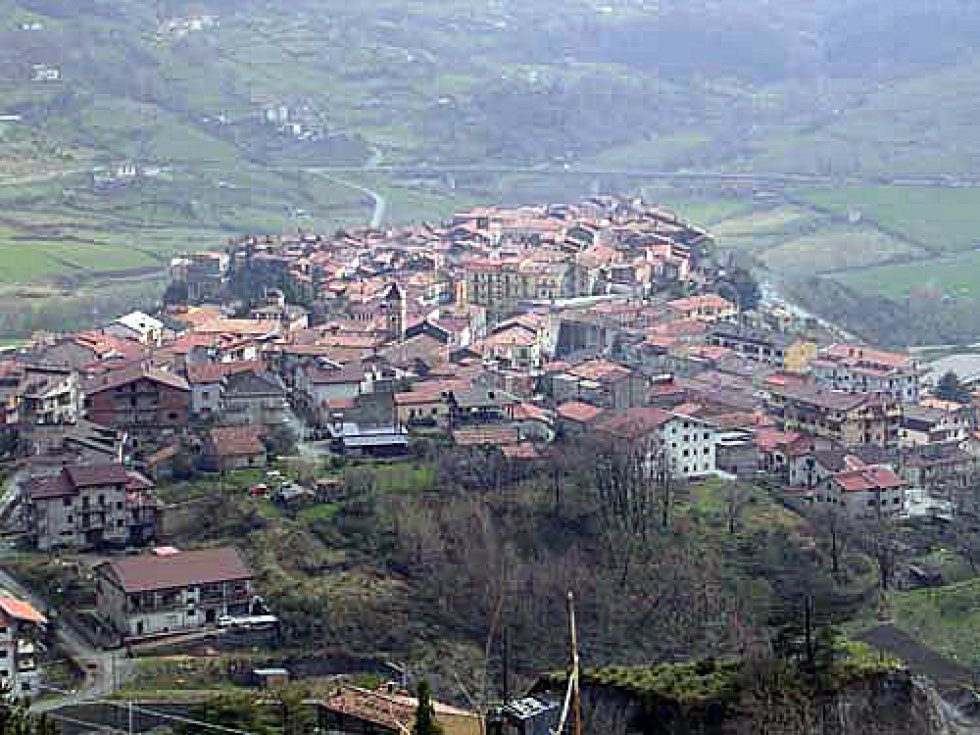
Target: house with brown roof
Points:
(233, 448)
(144, 401)
(171, 591)
(90, 506)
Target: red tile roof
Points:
(635, 423)
(485, 436)
(20, 610)
(396, 712)
(579, 412)
(236, 441)
(600, 371)
(870, 478)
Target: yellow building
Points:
(798, 355)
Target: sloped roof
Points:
(634, 423)
(151, 572)
(20, 610)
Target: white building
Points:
(138, 327)
(687, 444)
(864, 492)
(858, 369)
(20, 628)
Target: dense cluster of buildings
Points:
(503, 331)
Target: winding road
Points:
(372, 164)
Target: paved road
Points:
(380, 202)
(103, 669)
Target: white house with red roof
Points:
(863, 491)
(20, 627)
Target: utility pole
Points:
(506, 667)
(576, 691)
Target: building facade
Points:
(850, 419)
(90, 506)
(172, 591)
(144, 402)
(20, 627)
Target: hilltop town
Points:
(332, 442)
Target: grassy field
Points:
(836, 248)
(939, 219)
(946, 619)
(956, 276)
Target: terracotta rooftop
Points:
(635, 423)
(21, 611)
(578, 411)
(869, 478)
(600, 371)
(396, 712)
(486, 436)
(236, 441)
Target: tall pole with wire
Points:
(576, 672)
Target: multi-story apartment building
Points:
(49, 396)
(172, 591)
(38, 394)
(684, 444)
(858, 369)
(20, 627)
(501, 286)
(90, 506)
(763, 346)
(850, 419)
(935, 422)
(144, 401)
(865, 492)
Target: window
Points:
(206, 396)
(172, 416)
(67, 502)
(707, 450)
(707, 436)
(71, 518)
(686, 437)
(687, 452)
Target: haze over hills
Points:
(233, 112)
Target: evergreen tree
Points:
(949, 388)
(425, 714)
